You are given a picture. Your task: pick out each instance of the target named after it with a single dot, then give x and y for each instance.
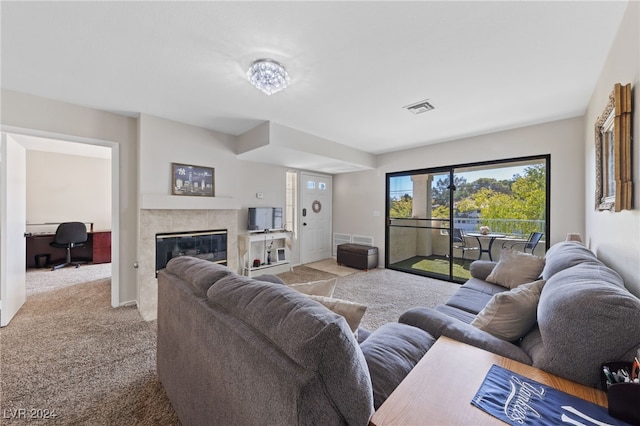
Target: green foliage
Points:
(440, 191)
(524, 201)
(440, 212)
(519, 198)
(401, 208)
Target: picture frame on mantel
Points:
(187, 179)
(613, 152)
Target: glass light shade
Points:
(268, 76)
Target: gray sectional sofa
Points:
(239, 351)
(236, 350)
(585, 316)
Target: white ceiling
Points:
(485, 66)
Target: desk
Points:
(491, 237)
(440, 387)
(97, 249)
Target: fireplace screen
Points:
(208, 245)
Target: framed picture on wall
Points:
(192, 180)
(280, 255)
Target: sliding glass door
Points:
(439, 220)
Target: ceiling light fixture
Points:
(268, 76)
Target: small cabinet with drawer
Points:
(101, 247)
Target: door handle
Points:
(304, 224)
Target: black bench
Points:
(358, 256)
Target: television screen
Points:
(265, 218)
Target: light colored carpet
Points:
(69, 352)
(43, 280)
(386, 293)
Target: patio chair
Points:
(460, 243)
(529, 245)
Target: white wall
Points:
(359, 206)
(25, 111)
(63, 188)
(615, 237)
(164, 141)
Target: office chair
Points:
(69, 235)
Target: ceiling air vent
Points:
(420, 107)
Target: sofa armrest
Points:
(438, 324)
(481, 268)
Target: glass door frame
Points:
(451, 170)
(431, 223)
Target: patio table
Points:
(491, 237)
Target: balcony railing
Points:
(513, 227)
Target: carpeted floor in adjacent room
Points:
(68, 351)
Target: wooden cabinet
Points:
(101, 247)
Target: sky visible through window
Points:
(401, 185)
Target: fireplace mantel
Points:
(175, 202)
(159, 218)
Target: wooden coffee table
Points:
(439, 390)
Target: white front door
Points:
(315, 217)
(13, 185)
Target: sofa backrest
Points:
(311, 336)
(253, 352)
(586, 316)
(194, 271)
(565, 255)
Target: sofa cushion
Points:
(468, 299)
(483, 286)
(439, 324)
(309, 334)
(515, 268)
(316, 288)
(481, 269)
(199, 274)
(586, 317)
(391, 352)
(532, 343)
(565, 255)
(351, 311)
(509, 315)
(456, 313)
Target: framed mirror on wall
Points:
(614, 186)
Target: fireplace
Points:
(209, 245)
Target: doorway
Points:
(32, 141)
(315, 217)
(439, 220)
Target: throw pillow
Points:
(510, 314)
(316, 288)
(515, 268)
(351, 311)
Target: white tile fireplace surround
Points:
(154, 221)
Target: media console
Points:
(256, 257)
